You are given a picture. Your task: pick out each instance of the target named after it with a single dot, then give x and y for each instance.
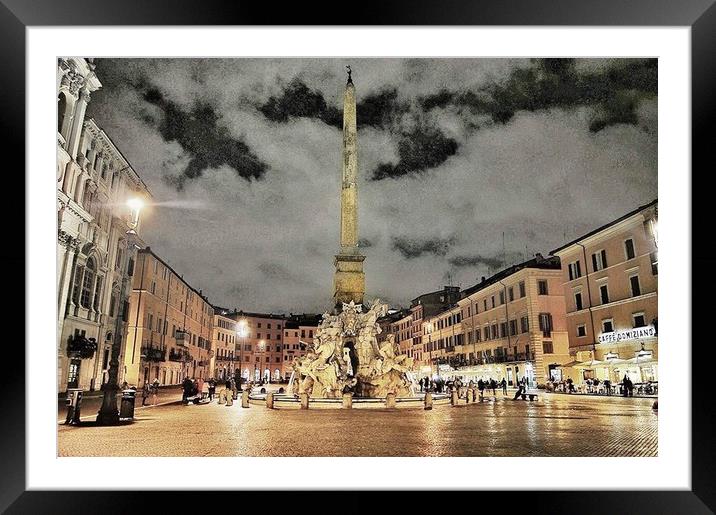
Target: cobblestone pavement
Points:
(556, 425)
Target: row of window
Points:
(599, 260)
(634, 286)
(303, 333)
(638, 320)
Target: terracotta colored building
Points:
(298, 335)
(610, 279)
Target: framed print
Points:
(420, 250)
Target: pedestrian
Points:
(187, 386)
(145, 393)
(212, 389)
(155, 391)
(608, 386)
(229, 393)
(204, 390)
(493, 386)
(504, 386)
(125, 385)
(481, 387)
(625, 387)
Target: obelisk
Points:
(349, 280)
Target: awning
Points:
(570, 364)
(591, 364)
(641, 361)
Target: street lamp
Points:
(109, 413)
(241, 333)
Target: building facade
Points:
(170, 326)
(610, 279)
(223, 361)
(94, 183)
(514, 325)
(298, 335)
(260, 345)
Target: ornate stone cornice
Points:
(67, 240)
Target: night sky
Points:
(243, 159)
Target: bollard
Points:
(454, 397)
(269, 400)
(428, 401)
(245, 399)
(222, 397)
(467, 396)
(229, 397)
(348, 400)
(304, 400)
(390, 401)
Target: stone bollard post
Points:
(304, 400)
(428, 401)
(348, 400)
(390, 401)
(474, 394)
(269, 400)
(245, 399)
(467, 396)
(222, 397)
(454, 397)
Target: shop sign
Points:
(627, 334)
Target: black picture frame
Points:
(700, 15)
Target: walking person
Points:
(493, 386)
(155, 391)
(503, 383)
(212, 389)
(187, 386)
(229, 393)
(481, 387)
(145, 393)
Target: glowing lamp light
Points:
(135, 204)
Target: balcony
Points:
(181, 355)
(81, 347)
(154, 354)
(182, 338)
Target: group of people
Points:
(198, 389)
(439, 385)
(597, 386)
(150, 390)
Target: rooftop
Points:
(606, 226)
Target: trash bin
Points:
(126, 409)
(74, 403)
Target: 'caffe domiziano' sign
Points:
(627, 334)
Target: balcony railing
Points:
(154, 354)
(180, 355)
(461, 361)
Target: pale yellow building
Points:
(298, 335)
(515, 324)
(170, 326)
(223, 361)
(610, 279)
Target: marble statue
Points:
(346, 357)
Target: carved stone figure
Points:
(346, 357)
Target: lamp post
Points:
(241, 333)
(109, 413)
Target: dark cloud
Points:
(299, 101)
(202, 137)
(422, 148)
(613, 91)
(380, 110)
(415, 248)
(476, 260)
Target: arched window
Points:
(87, 284)
(61, 109)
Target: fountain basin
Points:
(284, 401)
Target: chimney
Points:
(483, 279)
(539, 257)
